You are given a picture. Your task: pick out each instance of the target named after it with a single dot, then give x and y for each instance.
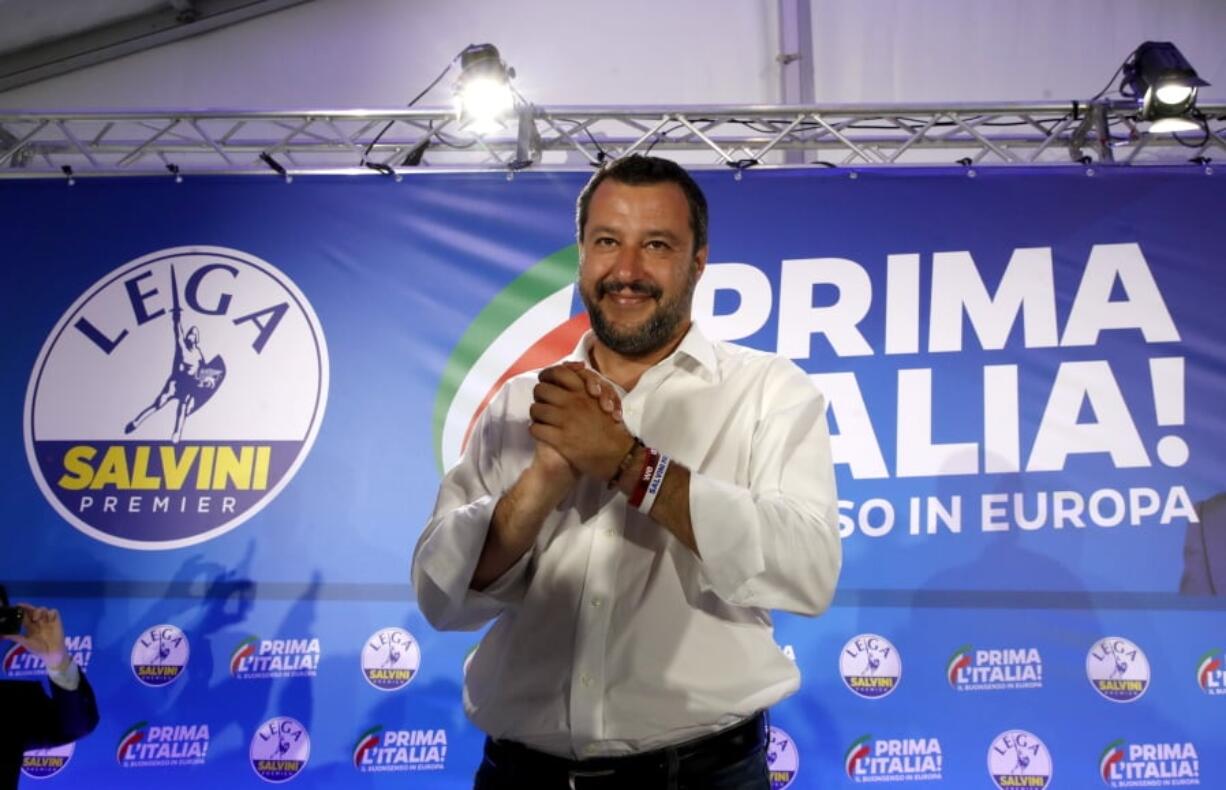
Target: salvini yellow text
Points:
(166, 467)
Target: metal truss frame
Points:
(398, 143)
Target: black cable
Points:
(416, 98)
(450, 142)
(267, 159)
(1204, 125)
(1107, 87)
(660, 135)
(601, 154)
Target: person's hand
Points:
(599, 388)
(578, 424)
(44, 635)
(554, 467)
(548, 459)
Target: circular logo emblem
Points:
(859, 750)
(870, 666)
(1109, 759)
(280, 749)
(390, 659)
(782, 759)
(1117, 669)
(129, 741)
(176, 398)
(160, 655)
(1018, 758)
(45, 763)
(1209, 673)
(367, 743)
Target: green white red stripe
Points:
(366, 741)
(244, 649)
(1206, 664)
(858, 750)
(11, 657)
(1111, 755)
(961, 658)
(132, 736)
(527, 325)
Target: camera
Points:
(10, 616)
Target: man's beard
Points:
(654, 333)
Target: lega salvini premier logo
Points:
(160, 655)
(279, 750)
(176, 397)
(1118, 669)
(870, 666)
(1019, 759)
(45, 763)
(390, 659)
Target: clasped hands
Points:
(576, 422)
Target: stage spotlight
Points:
(484, 99)
(1158, 77)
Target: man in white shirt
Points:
(630, 559)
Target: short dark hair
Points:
(640, 170)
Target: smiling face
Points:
(638, 266)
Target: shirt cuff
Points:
(504, 589)
(448, 558)
(727, 534)
(68, 679)
(452, 552)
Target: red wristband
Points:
(649, 468)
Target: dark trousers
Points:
(734, 759)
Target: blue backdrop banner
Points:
(230, 402)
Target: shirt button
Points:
(585, 679)
(597, 601)
(610, 532)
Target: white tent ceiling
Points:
(27, 23)
(378, 53)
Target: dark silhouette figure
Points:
(192, 380)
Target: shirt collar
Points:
(694, 346)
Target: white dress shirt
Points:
(612, 637)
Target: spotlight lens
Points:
(1170, 125)
(1173, 93)
(483, 126)
(484, 101)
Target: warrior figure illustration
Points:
(192, 380)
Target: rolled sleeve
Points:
(729, 539)
(450, 546)
(774, 544)
(443, 569)
(68, 678)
